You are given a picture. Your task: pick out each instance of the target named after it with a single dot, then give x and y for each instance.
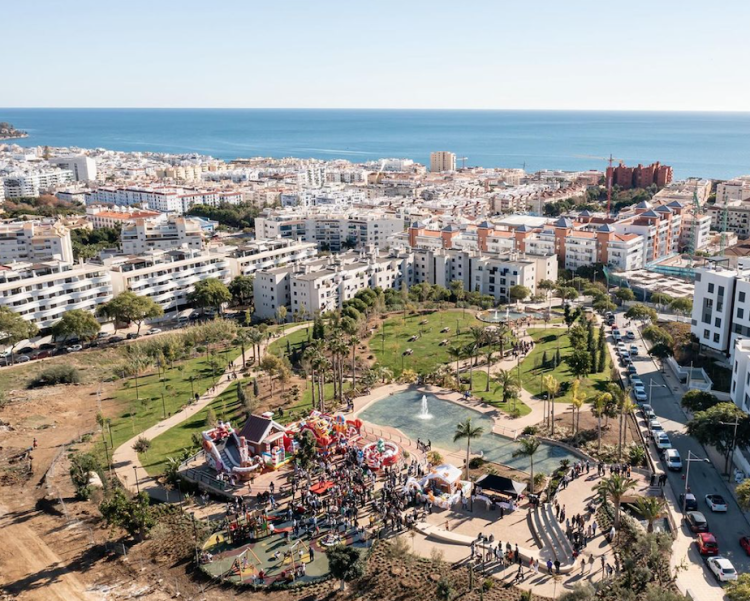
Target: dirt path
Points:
(30, 570)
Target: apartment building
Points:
(161, 233)
(737, 220)
(640, 176)
(163, 199)
(82, 167)
(32, 184)
(100, 216)
(167, 276)
(43, 292)
(740, 390)
(696, 232)
(441, 161)
(714, 306)
(330, 231)
(35, 241)
(733, 191)
(323, 285)
(267, 254)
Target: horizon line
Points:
(262, 108)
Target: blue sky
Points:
(574, 54)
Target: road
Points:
(704, 477)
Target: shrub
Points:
(476, 462)
(58, 374)
(530, 431)
(142, 445)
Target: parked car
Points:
(634, 350)
(74, 348)
(673, 460)
(716, 503)
(689, 502)
(630, 335)
(101, 335)
(624, 356)
(616, 335)
(22, 359)
(696, 521)
(655, 426)
(153, 331)
(745, 544)
(47, 346)
(662, 441)
(636, 381)
(632, 371)
(640, 394)
(43, 354)
(114, 339)
(27, 350)
(74, 340)
(648, 413)
(707, 544)
(183, 319)
(722, 568)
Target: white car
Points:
(673, 460)
(722, 568)
(640, 394)
(23, 359)
(637, 382)
(634, 350)
(153, 331)
(716, 503)
(655, 426)
(75, 348)
(662, 441)
(630, 335)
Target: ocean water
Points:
(715, 145)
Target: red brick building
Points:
(640, 176)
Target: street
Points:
(704, 478)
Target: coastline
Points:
(18, 137)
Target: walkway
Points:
(125, 460)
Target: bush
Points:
(58, 374)
(530, 431)
(476, 462)
(142, 445)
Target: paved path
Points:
(125, 460)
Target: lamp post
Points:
(689, 460)
(137, 485)
(652, 385)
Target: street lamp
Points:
(689, 460)
(652, 385)
(137, 486)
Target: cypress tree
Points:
(256, 388)
(544, 360)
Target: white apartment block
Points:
(325, 284)
(34, 241)
(165, 200)
(702, 226)
(100, 216)
(18, 185)
(333, 232)
(82, 167)
(161, 233)
(43, 292)
(740, 390)
(441, 161)
(267, 254)
(734, 190)
(713, 306)
(167, 277)
(738, 218)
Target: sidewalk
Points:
(127, 464)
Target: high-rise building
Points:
(442, 160)
(82, 167)
(35, 241)
(640, 176)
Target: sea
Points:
(712, 145)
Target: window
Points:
(716, 338)
(721, 290)
(710, 288)
(740, 313)
(717, 322)
(706, 334)
(742, 297)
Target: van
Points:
(673, 460)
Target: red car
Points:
(745, 544)
(707, 544)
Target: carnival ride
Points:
(382, 453)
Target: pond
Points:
(405, 411)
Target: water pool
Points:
(401, 410)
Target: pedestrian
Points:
(312, 555)
(591, 564)
(549, 566)
(583, 565)
(557, 566)
(35, 443)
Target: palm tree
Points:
(353, 342)
(242, 339)
(509, 382)
(625, 406)
(577, 403)
(255, 337)
(457, 353)
(600, 406)
(528, 446)
(615, 488)
(489, 351)
(651, 509)
(553, 388)
(383, 373)
(467, 431)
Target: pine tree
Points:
(601, 363)
(558, 360)
(544, 360)
(590, 341)
(241, 396)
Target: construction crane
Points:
(697, 212)
(463, 161)
(724, 218)
(610, 159)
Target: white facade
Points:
(42, 293)
(740, 390)
(165, 200)
(165, 233)
(258, 255)
(702, 226)
(712, 307)
(34, 241)
(82, 167)
(167, 277)
(18, 185)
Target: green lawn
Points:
(140, 415)
(547, 340)
(170, 443)
(495, 396)
(427, 352)
(293, 340)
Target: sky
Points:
(674, 55)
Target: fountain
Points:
(507, 317)
(424, 412)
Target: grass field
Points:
(140, 415)
(495, 396)
(428, 354)
(547, 340)
(298, 338)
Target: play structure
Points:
(380, 454)
(264, 444)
